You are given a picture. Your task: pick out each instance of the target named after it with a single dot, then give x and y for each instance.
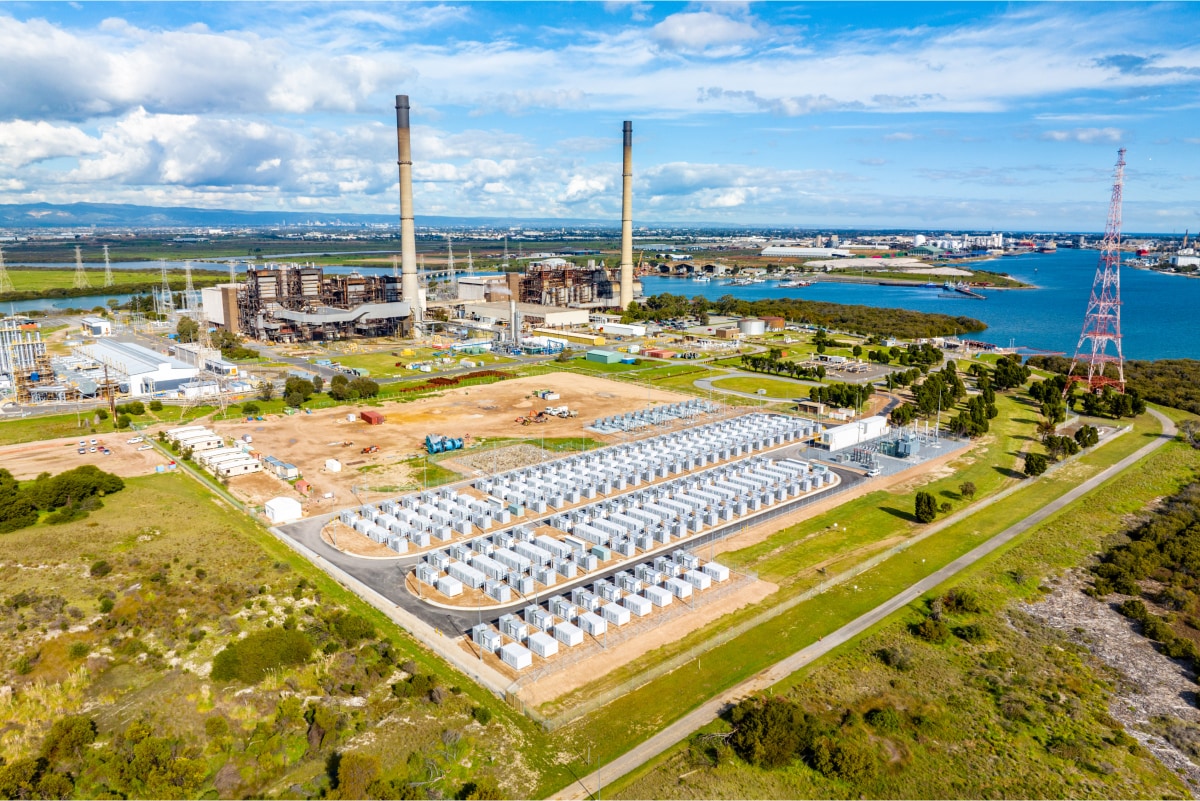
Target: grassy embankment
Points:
(861, 522)
(186, 576)
(37, 282)
(775, 387)
(1021, 712)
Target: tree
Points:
(250, 408)
(967, 490)
(68, 738)
(1035, 464)
(17, 509)
(295, 385)
(123, 421)
(857, 351)
(156, 406)
(294, 399)
(365, 387)
(187, 329)
(925, 508)
(318, 382)
(266, 390)
(355, 772)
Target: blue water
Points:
(1158, 311)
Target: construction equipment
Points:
(370, 449)
(436, 443)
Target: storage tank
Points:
(774, 323)
(752, 326)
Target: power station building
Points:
(291, 303)
(140, 371)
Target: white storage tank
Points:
(752, 326)
(516, 656)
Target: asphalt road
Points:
(710, 710)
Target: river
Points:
(1158, 310)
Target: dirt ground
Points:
(603, 660)
(481, 412)
(29, 459)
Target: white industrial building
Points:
(788, 251)
(283, 510)
(95, 327)
(140, 371)
(856, 433)
(532, 313)
(620, 329)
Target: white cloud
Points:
(23, 142)
(701, 30)
(1086, 135)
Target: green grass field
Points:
(40, 280)
(775, 387)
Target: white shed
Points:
(283, 510)
(333, 466)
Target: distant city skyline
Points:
(892, 115)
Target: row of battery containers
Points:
(419, 520)
(517, 560)
(540, 630)
(567, 481)
(658, 414)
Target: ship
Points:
(958, 291)
(704, 279)
(794, 284)
(1048, 247)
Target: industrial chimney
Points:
(409, 284)
(627, 220)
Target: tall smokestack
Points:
(627, 219)
(409, 284)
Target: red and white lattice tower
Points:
(1102, 323)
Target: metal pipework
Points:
(409, 283)
(626, 294)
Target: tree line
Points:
(67, 496)
(1170, 382)
(901, 323)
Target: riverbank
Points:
(844, 278)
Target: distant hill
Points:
(120, 215)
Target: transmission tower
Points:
(450, 278)
(1102, 323)
(470, 264)
(189, 291)
(232, 271)
(81, 279)
(166, 303)
(108, 279)
(6, 284)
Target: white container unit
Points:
(449, 586)
(516, 656)
(568, 634)
(615, 613)
(698, 579)
(716, 571)
(466, 574)
(658, 596)
(542, 644)
(593, 624)
(638, 605)
(678, 587)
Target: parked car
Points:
(93, 448)
(145, 447)
(136, 440)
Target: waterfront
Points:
(1157, 313)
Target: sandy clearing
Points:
(481, 412)
(29, 459)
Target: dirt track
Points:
(28, 459)
(481, 412)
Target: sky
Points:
(929, 116)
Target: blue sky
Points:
(933, 116)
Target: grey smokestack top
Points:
(402, 111)
(628, 130)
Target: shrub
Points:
(100, 568)
(79, 650)
(482, 714)
(770, 732)
(250, 408)
(972, 632)
(249, 659)
(930, 630)
(894, 657)
(884, 720)
(106, 605)
(156, 406)
(960, 599)
(350, 627)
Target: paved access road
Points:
(708, 711)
